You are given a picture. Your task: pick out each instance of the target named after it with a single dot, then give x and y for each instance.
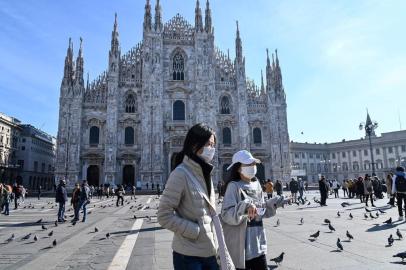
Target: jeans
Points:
(401, 198)
(81, 205)
(258, 263)
(323, 198)
(61, 211)
(120, 198)
(183, 262)
(367, 196)
(7, 208)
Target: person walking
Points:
(301, 190)
(323, 188)
(360, 188)
(84, 199)
(5, 197)
(368, 190)
(61, 197)
(345, 188)
(244, 207)
(294, 188)
(391, 196)
(120, 195)
(399, 188)
(17, 191)
(278, 188)
(75, 201)
(335, 187)
(269, 188)
(187, 202)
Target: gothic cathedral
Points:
(126, 126)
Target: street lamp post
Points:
(370, 127)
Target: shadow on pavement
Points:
(379, 227)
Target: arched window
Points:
(94, 135)
(226, 136)
(257, 134)
(178, 67)
(225, 105)
(130, 104)
(178, 110)
(129, 136)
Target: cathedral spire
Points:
(198, 18)
(277, 76)
(147, 17)
(68, 68)
(262, 83)
(238, 46)
(268, 62)
(158, 16)
(207, 19)
(87, 82)
(79, 65)
(115, 44)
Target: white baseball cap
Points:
(244, 157)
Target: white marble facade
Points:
(127, 125)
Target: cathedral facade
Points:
(127, 125)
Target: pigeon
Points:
(401, 255)
(371, 216)
(338, 214)
(399, 234)
(107, 235)
(377, 214)
(11, 238)
(278, 260)
(50, 233)
(301, 221)
(96, 229)
(390, 240)
(308, 203)
(331, 228)
(135, 217)
(39, 221)
(389, 221)
(56, 223)
(365, 216)
(327, 221)
(351, 217)
(26, 237)
(339, 245)
(35, 238)
(54, 243)
(315, 235)
(345, 204)
(382, 212)
(43, 227)
(350, 237)
(278, 222)
(73, 223)
(366, 209)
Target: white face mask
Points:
(208, 153)
(250, 171)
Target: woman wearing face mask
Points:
(244, 207)
(183, 210)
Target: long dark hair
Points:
(196, 138)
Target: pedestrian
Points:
(294, 188)
(306, 186)
(152, 186)
(61, 197)
(133, 191)
(269, 188)
(147, 185)
(17, 191)
(5, 197)
(399, 187)
(39, 192)
(244, 207)
(391, 196)
(187, 203)
(368, 190)
(75, 200)
(335, 187)
(301, 190)
(278, 188)
(323, 188)
(84, 199)
(120, 195)
(360, 189)
(345, 187)
(158, 190)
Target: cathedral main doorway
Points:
(93, 175)
(128, 175)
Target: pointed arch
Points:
(130, 104)
(225, 105)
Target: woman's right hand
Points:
(252, 211)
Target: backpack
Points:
(400, 183)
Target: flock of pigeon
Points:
(367, 215)
(36, 237)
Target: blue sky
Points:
(337, 57)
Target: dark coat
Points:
(61, 195)
(323, 187)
